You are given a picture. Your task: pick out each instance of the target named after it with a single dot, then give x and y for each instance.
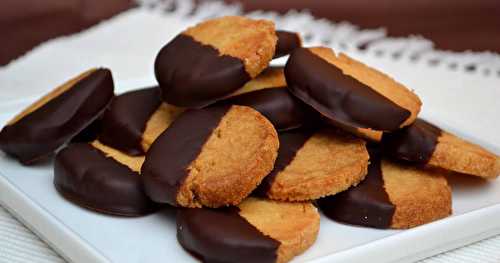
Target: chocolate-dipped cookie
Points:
(135, 119)
(267, 94)
(391, 196)
(348, 92)
(213, 157)
(103, 179)
(214, 58)
(315, 163)
(252, 232)
(287, 42)
(424, 143)
(58, 116)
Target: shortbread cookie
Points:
(252, 232)
(214, 58)
(315, 163)
(135, 119)
(268, 95)
(391, 196)
(213, 157)
(348, 92)
(58, 116)
(424, 143)
(287, 42)
(100, 178)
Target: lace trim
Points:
(342, 36)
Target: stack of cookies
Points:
(246, 152)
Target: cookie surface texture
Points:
(391, 196)
(212, 157)
(134, 119)
(348, 92)
(315, 163)
(425, 143)
(252, 232)
(57, 117)
(213, 59)
(103, 179)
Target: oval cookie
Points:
(315, 163)
(213, 157)
(287, 42)
(424, 143)
(268, 95)
(102, 179)
(348, 92)
(252, 232)
(135, 119)
(58, 116)
(214, 58)
(391, 196)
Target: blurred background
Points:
(456, 25)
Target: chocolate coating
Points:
(194, 75)
(290, 144)
(125, 120)
(85, 176)
(44, 130)
(282, 109)
(366, 204)
(287, 42)
(165, 167)
(222, 235)
(415, 143)
(340, 97)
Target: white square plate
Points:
(467, 104)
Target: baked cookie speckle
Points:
(315, 163)
(425, 143)
(212, 157)
(214, 58)
(252, 232)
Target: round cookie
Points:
(58, 116)
(252, 232)
(103, 179)
(287, 42)
(391, 196)
(315, 163)
(214, 157)
(135, 119)
(424, 143)
(214, 58)
(348, 92)
(267, 94)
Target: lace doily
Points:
(344, 37)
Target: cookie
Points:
(135, 119)
(58, 116)
(103, 179)
(214, 58)
(268, 95)
(424, 143)
(315, 163)
(255, 231)
(287, 42)
(348, 92)
(391, 196)
(212, 157)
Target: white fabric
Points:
(130, 50)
